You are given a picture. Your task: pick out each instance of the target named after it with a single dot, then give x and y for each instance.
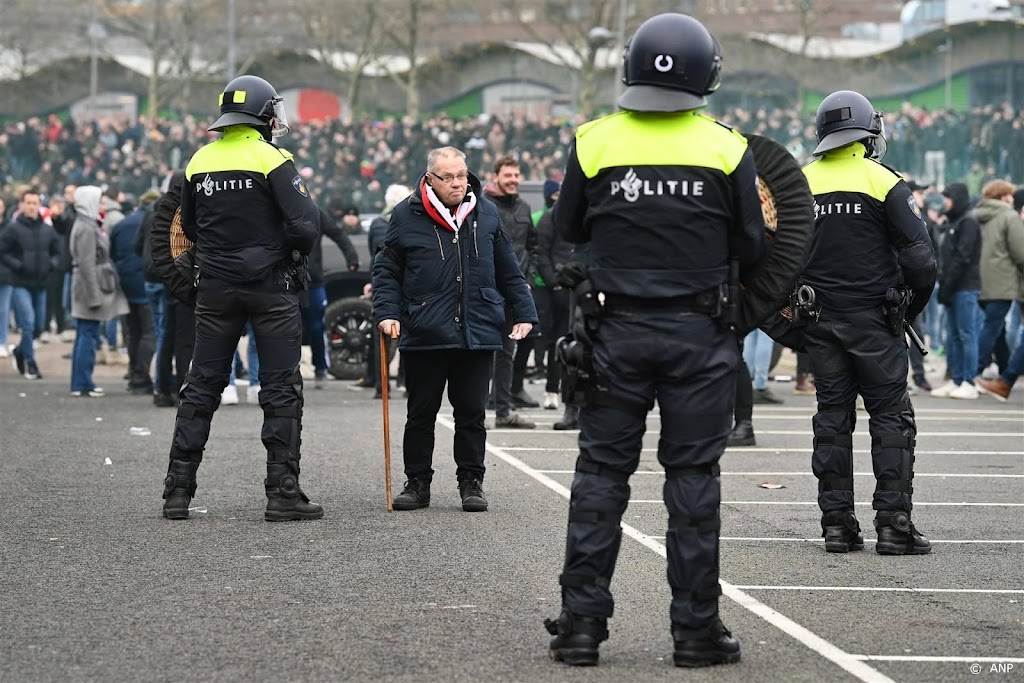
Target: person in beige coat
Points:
(1001, 268)
(95, 292)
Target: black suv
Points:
(348, 319)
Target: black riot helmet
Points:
(670, 64)
(251, 101)
(847, 116)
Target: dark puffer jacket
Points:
(961, 248)
(517, 224)
(29, 249)
(449, 290)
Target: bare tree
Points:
(348, 29)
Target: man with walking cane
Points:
(443, 277)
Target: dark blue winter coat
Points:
(126, 261)
(449, 291)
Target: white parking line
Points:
(787, 502)
(813, 641)
(811, 474)
(919, 418)
(883, 589)
(912, 658)
(779, 432)
(755, 539)
(777, 451)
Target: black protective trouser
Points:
(687, 363)
(916, 357)
(222, 309)
(466, 373)
(141, 338)
(744, 410)
(178, 343)
(856, 352)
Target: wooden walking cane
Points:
(387, 422)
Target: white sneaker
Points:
(945, 390)
(252, 394)
(550, 400)
(4, 353)
(230, 396)
(966, 390)
(991, 372)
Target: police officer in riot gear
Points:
(253, 222)
(666, 197)
(870, 269)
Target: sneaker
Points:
(706, 646)
(230, 396)
(95, 392)
(32, 371)
(763, 396)
(472, 492)
(252, 394)
(17, 360)
(320, 380)
(415, 495)
(996, 388)
(522, 399)
(550, 400)
(4, 353)
(966, 391)
(67, 336)
(944, 391)
(991, 372)
(513, 421)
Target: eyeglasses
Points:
(447, 179)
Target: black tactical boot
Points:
(570, 420)
(285, 500)
(576, 639)
(707, 646)
(415, 495)
(472, 492)
(841, 531)
(742, 435)
(897, 535)
(180, 483)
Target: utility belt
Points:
(293, 273)
(711, 302)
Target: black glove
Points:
(571, 274)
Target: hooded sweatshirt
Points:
(961, 249)
(1002, 251)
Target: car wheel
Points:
(349, 324)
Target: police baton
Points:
(915, 338)
(387, 422)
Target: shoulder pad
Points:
(591, 125)
(281, 150)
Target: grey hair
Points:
(443, 153)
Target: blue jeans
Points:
(66, 300)
(110, 333)
(29, 313)
(254, 360)
(83, 354)
(157, 301)
(313, 321)
(5, 312)
(1013, 325)
(757, 354)
(1015, 367)
(935, 314)
(991, 339)
(962, 336)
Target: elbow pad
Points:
(919, 267)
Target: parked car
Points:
(348, 319)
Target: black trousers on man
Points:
(141, 339)
(467, 374)
(855, 352)
(222, 309)
(687, 362)
(178, 343)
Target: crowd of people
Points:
(350, 164)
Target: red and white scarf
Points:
(441, 214)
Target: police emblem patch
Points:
(912, 203)
(300, 186)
